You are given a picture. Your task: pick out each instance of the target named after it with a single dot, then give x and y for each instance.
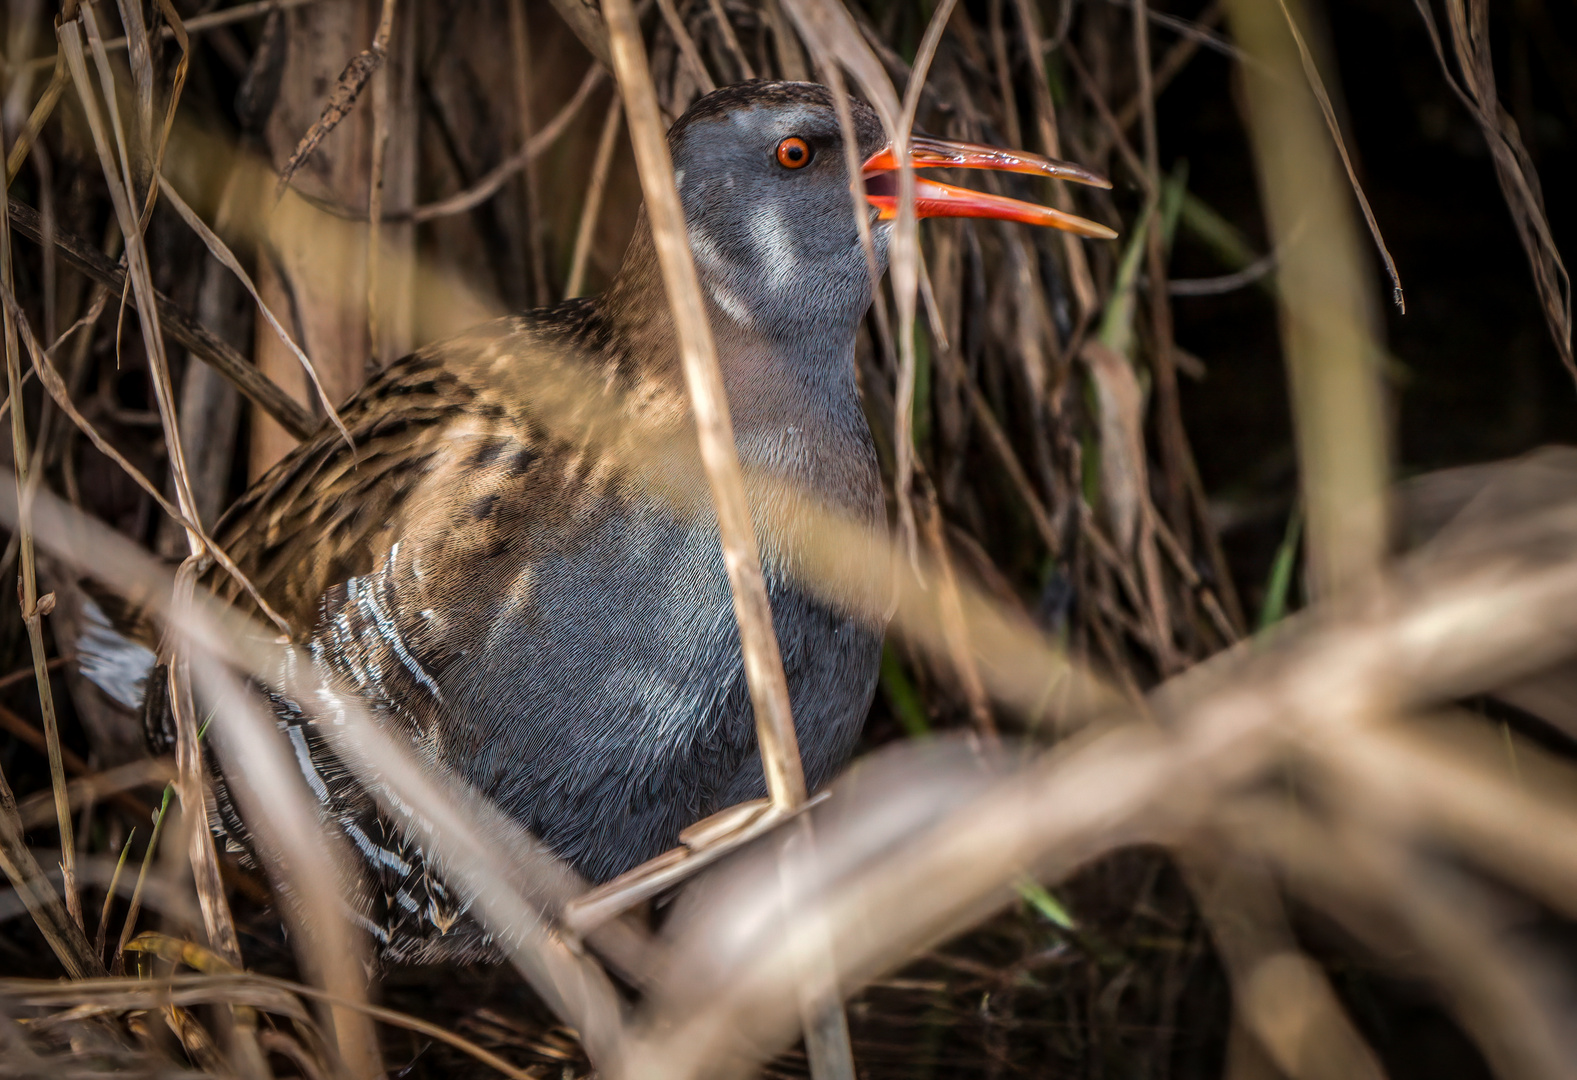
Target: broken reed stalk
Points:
(134, 905)
(1519, 181)
(33, 608)
(719, 457)
(1311, 72)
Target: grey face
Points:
(774, 234)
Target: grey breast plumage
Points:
(502, 580)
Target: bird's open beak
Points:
(942, 200)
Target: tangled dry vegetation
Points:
(1106, 824)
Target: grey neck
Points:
(792, 392)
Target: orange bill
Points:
(943, 200)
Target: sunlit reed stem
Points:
(763, 663)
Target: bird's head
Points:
(762, 172)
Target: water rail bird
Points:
(486, 565)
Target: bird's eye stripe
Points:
(793, 153)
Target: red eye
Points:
(793, 153)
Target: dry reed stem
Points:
(42, 110)
(1519, 181)
(240, 1030)
(93, 787)
(591, 210)
(221, 251)
(119, 994)
(931, 517)
(741, 557)
(217, 918)
(826, 1034)
(1417, 922)
(283, 821)
(836, 43)
(1283, 997)
(65, 938)
(730, 39)
(520, 83)
(342, 99)
(495, 178)
(1445, 782)
(182, 326)
(1317, 85)
(950, 615)
(687, 49)
(260, 992)
(1174, 450)
(56, 387)
(380, 153)
(1078, 266)
(583, 18)
(33, 606)
(63, 933)
(192, 783)
(1326, 315)
(832, 73)
(156, 149)
(904, 275)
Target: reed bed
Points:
(1110, 818)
